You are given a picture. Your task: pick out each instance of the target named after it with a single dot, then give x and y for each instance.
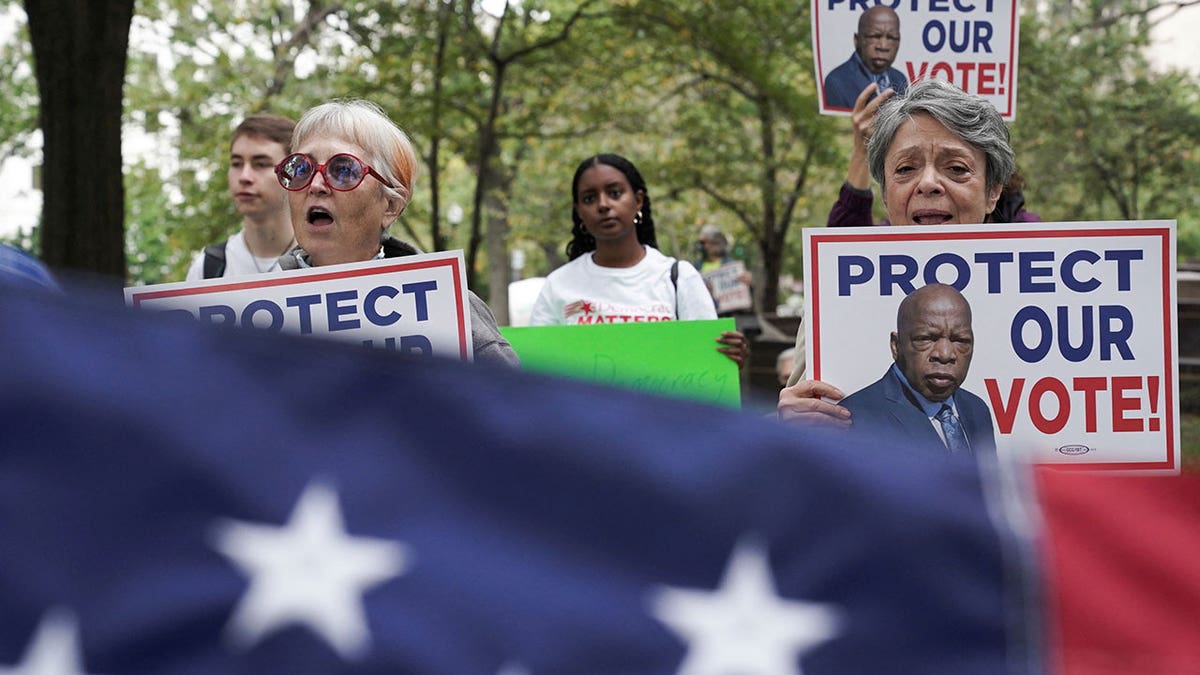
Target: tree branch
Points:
(1171, 9)
(286, 52)
(563, 33)
(725, 202)
(789, 205)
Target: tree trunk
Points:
(772, 263)
(79, 52)
(499, 273)
(772, 251)
(435, 143)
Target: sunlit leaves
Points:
(1099, 134)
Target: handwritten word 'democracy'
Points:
(958, 35)
(1077, 334)
(341, 310)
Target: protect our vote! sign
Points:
(414, 304)
(970, 43)
(1075, 343)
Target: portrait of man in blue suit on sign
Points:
(875, 47)
(919, 399)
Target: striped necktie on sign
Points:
(956, 440)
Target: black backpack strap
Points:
(214, 260)
(675, 285)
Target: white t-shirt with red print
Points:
(582, 292)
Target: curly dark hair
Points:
(582, 242)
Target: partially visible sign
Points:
(414, 304)
(727, 288)
(672, 358)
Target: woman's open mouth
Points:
(319, 217)
(931, 218)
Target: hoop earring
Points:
(637, 219)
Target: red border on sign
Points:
(136, 298)
(1008, 113)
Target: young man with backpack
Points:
(259, 143)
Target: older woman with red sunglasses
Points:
(350, 177)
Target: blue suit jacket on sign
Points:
(884, 410)
(846, 82)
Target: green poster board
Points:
(672, 358)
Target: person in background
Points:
(616, 273)
(732, 288)
(783, 365)
(856, 200)
(942, 157)
(713, 247)
(350, 177)
(258, 144)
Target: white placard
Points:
(727, 288)
(1075, 338)
(413, 304)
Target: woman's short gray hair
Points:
(388, 149)
(968, 116)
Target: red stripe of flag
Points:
(1122, 557)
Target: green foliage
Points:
(743, 140)
(194, 70)
(1099, 134)
(19, 104)
(28, 240)
(714, 100)
(156, 249)
(1189, 436)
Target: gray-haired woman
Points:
(350, 177)
(941, 157)
(940, 154)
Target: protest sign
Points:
(727, 288)
(414, 304)
(1075, 341)
(672, 358)
(970, 43)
